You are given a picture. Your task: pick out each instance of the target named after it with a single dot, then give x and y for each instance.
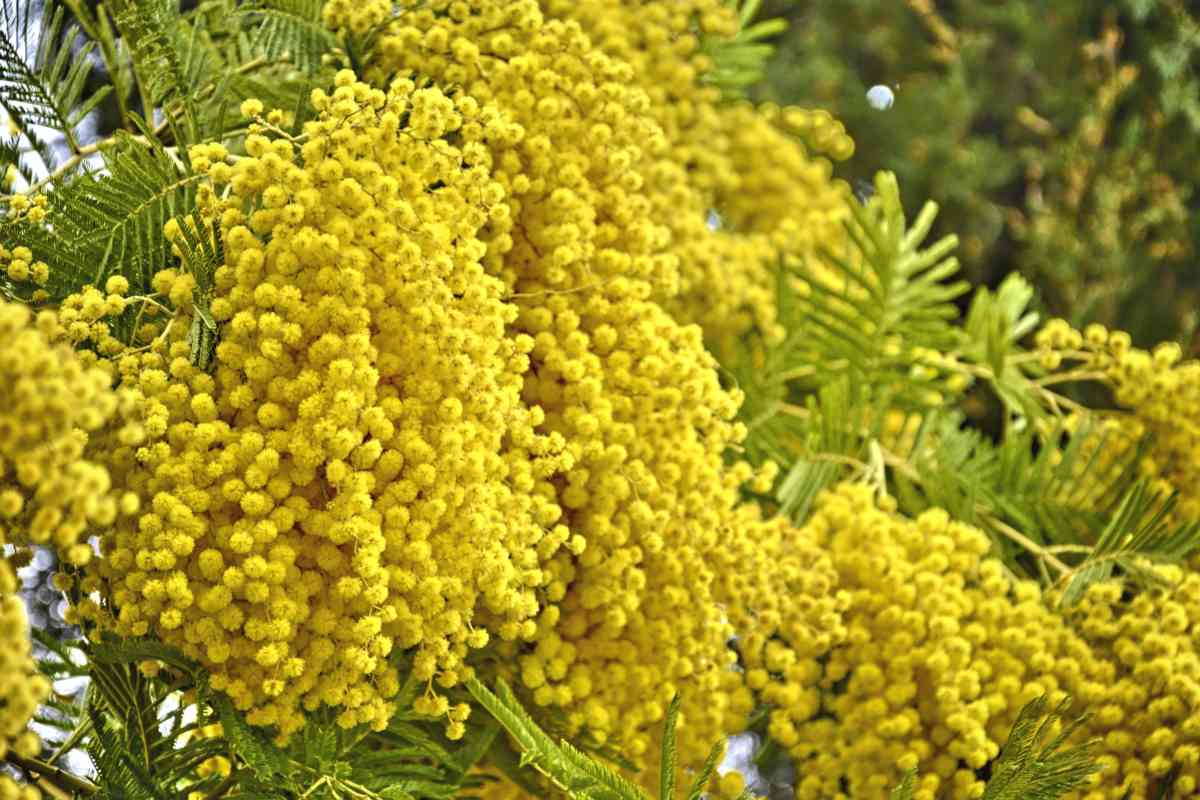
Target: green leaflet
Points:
(740, 62)
(41, 77)
(571, 770)
(289, 29)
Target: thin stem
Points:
(1069, 548)
(58, 777)
(1023, 540)
(1068, 377)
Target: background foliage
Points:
(1057, 137)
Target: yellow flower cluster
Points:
(50, 401)
(1144, 705)
(22, 687)
(26, 207)
(759, 168)
(359, 474)
(1159, 392)
(21, 268)
(779, 587)
(729, 786)
(633, 608)
(941, 652)
(49, 493)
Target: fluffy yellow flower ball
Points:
(359, 473)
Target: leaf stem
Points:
(1023, 540)
(58, 777)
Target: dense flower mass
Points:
(634, 394)
(22, 687)
(1144, 703)
(50, 400)
(49, 493)
(428, 386)
(1158, 394)
(940, 654)
(594, 264)
(760, 170)
(359, 473)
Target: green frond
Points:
(873, 310)
(667, 766)
(706, 772)
(202, 252)
(165, 59)
(570, 769)
(995, 323)
(136, 731)
(1140, 534)
(42, 76)
(290, 29)
(12, 154)
(260, 756)
(740, 61)
(1050, 485)
(1060, 487)
(904, 790)
(411, 757)
(100, 224)
(831, 438)
(1035, 765)
(112, 650)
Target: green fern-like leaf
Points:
(42, 76)
(289, 29)
(1052, 486)
(100, 224)
(263, 758)
(1033, 765)
(1140, 533)
(138, 733)
(571, 770)
(131, 651)
(165, 59)
(995, 324)
(890, 297)
(706, 771)
(904, 790)
(668, 766)
(740, 61)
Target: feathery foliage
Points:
(288, 29)
(1138, 535)
(889, 297)
(110, 222)
(740, 61)
(42, 76)
(1035, 763)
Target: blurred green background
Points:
(1060, 139)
